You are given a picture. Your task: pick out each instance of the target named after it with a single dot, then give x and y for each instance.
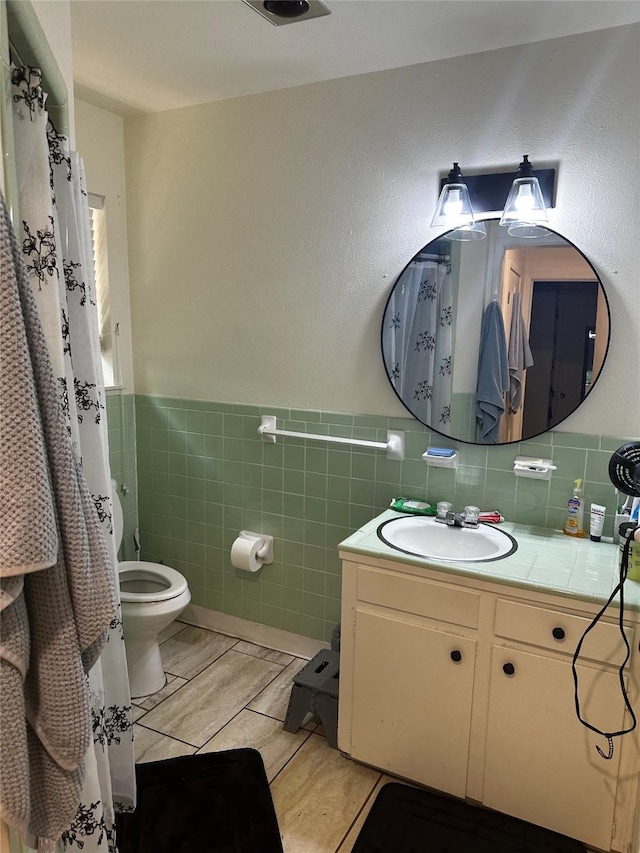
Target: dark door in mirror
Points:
(562, 338)
(516, 330)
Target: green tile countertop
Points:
(545, 560)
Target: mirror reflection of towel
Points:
(493, 374)
(520, 357)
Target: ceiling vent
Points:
(279, 12)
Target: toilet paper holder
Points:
(264, 552)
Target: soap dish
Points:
(441, 457)
(538, 469)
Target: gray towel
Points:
(493, 374)
(57, 592)
(520, 357)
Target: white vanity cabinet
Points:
(399, 661)
(465, 686)
(541, 764)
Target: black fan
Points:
(624, 469)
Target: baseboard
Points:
(252, 632)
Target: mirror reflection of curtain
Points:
(417, 339)
(56, 245)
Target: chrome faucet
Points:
(467, 518)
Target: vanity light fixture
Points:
(521, 202)
(524, 210)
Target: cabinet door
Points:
(412, 689)
(541, 762)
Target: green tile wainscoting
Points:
(204, 474)
(463, 416)
(122, 457)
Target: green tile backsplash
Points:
(463, 416)
(122, 457)
(204, 474)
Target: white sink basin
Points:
(425, 537)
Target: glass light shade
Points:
(454, 207)
(471, 231)
(526, 229)
(524, 203)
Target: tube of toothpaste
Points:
(492, 516)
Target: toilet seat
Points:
(168, 582)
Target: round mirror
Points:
(497, 340)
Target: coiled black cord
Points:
(624, 569)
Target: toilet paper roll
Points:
(244, 554)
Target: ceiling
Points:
(150, 55)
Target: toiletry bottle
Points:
(575, 512)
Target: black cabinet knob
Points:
(508, 669)
(456, 656)
(558, 633)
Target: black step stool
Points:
(315, 689)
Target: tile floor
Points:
(225, 693)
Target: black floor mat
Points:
(216, 802)
(411, 820)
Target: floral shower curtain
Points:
(417, 339)
(54, 232)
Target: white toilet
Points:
(152, 596)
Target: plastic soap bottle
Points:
(575, 512)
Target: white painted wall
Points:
(100, 141)
(265, 232)
(99, 137)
